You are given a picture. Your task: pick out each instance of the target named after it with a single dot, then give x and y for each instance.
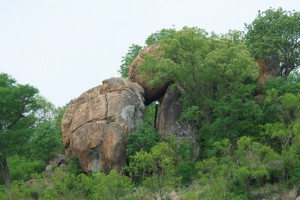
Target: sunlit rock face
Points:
(95, 126)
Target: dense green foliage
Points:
(25, 130)
(43, 144)
(145, 137)
(249, 143)
(218, 78)
(17, 117)
(156, 169)
(65, 185)
(133, 51)
(276, 34)
(21, 168)
(17, 107)
(159, 36)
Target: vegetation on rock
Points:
(248, 134)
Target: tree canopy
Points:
(133, 51)
(216, 75)
(275, 35)
(17, 106)
(26, 124)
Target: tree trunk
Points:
(6, 178)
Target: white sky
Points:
(65, 47)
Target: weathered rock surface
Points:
(152, 93)
(169, 119)
(58, 160)
(96, 124)
(170, 111)
(267, 69)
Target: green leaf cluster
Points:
(64, 185)
(132, 53)
(275, 34)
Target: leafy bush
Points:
(63, 185)
(155, 169)
(185, 163)
(44, 143)
(22, 168)
(74, 166)
(144, 137)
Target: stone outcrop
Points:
(152, 92)
(169, 119)
(96, 124)
(58, 160)
(170, 111)
(267, 69)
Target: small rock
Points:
(31, 182)
(49, 168)
(293, 193)
(274, 196)
(174, 196)
(57, 160)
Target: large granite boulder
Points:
(152, 92)
(95, 126)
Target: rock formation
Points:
(96, 124)
(267, 69)
(152, 92)
(170, 111)
(169, 119)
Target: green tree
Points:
(43, 143)
(135, 49)
(144, 137)
(46, 110)
(281, 123)
(255, 161)
(217, 77)
(156, 169)
(235, 114)
(17, 107)
(283, 85)
(291, 160)
(284, 108)
(132, 53)
(205, 68)
(185, 163)
(216, 176)
(110, 187)
(276, 34)
(159, 36)
(21, 168)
